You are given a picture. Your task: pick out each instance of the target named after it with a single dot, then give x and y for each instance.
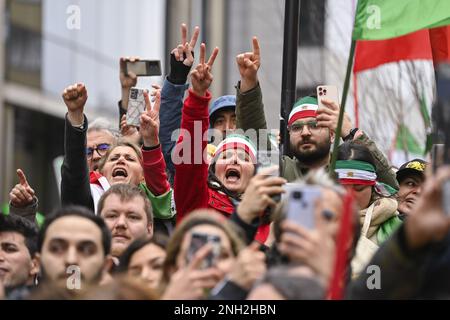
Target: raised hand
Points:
(201, 76)
(248, 64)
(314, 248)
(249, 267)
(127, 80)
(257, 196)
(22, 194)
(328, 117)
(190, 282)
(75, 97)
(149, 128)
(184, 49)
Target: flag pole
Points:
(289, 68)
(342, 108)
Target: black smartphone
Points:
(144, 68)
(198, 240)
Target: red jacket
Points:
(191, 190)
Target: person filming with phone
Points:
(311, 123)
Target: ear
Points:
(106, 272)
(108, 264)
(332, 136)
(35, 266)
(150, 230)
(37, 259)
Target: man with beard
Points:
(74, 248)
(410, 177)
(311, 129)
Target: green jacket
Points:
(250, 115)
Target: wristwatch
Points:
(351, 135)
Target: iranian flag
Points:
(393, 78)
(395, 43)
(385, 19)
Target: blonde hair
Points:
(120, 143)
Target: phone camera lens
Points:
(297, 195)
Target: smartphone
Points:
(136, 105)
(327, 92)
(144, 68)
(268, 158)
(301, 205)
(198, 240)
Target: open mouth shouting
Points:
(119, 174)
(232, 175)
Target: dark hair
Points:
(15, 223)
(213, 117)
(127, 192)
(76, 211)
(158, 239)
(353, 150)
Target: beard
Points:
(311, 156)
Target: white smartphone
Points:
(327, 92)
(301, 205)
(136, 105)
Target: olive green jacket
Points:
(250, 115)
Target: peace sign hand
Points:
(183, 52)
(201, 76)
(149, 128)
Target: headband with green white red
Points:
(304, 108)
(355, 172)
(236, 141)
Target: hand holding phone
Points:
(327, 92)
(198, 240)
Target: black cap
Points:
(415, 166)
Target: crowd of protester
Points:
(147, 216)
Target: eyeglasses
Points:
(298, 126)
(101, 150)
